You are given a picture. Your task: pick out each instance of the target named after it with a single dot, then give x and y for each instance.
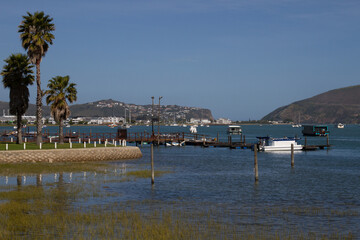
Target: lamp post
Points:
(130, 116)
(125, 115)
(159, 122)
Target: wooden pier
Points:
(140, 138)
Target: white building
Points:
(223, 121)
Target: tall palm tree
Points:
(35, 33)
(17, 75)
(59, 91)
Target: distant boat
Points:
(112, 125)
(234, 129)
(340, 125)
(171, 144)
(297, 125)
(278, 144)
(315, 130)
(193, 129)
(67, 125)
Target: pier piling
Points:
(152, 164)
(327, 141)
(256, 169)
(292, 155)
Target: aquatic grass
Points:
(145, 173)
(48, 212)
(10, 169)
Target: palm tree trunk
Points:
(38, 105)
(61, 133)
(19, 130)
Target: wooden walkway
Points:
(140, 138)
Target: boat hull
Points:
(284, 148)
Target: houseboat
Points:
(340, 125)
(315, 130)
(278, 144)
(234, 129)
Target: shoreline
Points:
(70, 155)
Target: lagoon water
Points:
(320, 194)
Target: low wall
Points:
(70, 155)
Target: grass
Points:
(145, 173)
(33, 146)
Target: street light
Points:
(125, 115)
(152, 117)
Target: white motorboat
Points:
(296, 125)
(278, 144)
(340, 125)
(171, 144)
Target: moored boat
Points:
(278, 144)
(234, 129)
(340, 125)
(315, 130)
(193, 129)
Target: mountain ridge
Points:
(334, 106)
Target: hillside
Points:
(109, 108)
(339, 105)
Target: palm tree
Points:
(59, 91)
(36, 36)
(17, 75)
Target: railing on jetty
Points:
(135, 137)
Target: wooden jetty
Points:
(140, 138)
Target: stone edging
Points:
(70, 155)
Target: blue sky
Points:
(240, 58)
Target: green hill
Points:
(110, 108)
(339, 105)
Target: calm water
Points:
(321, 194)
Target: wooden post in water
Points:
(217, 139)
(256, 163)
(38, 180)
(292, 155)
(244, 139)
(18, 180)
(327, 141)
(152, 164)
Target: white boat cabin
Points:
(234, 129)
(278, 144)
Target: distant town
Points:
(107, 112)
